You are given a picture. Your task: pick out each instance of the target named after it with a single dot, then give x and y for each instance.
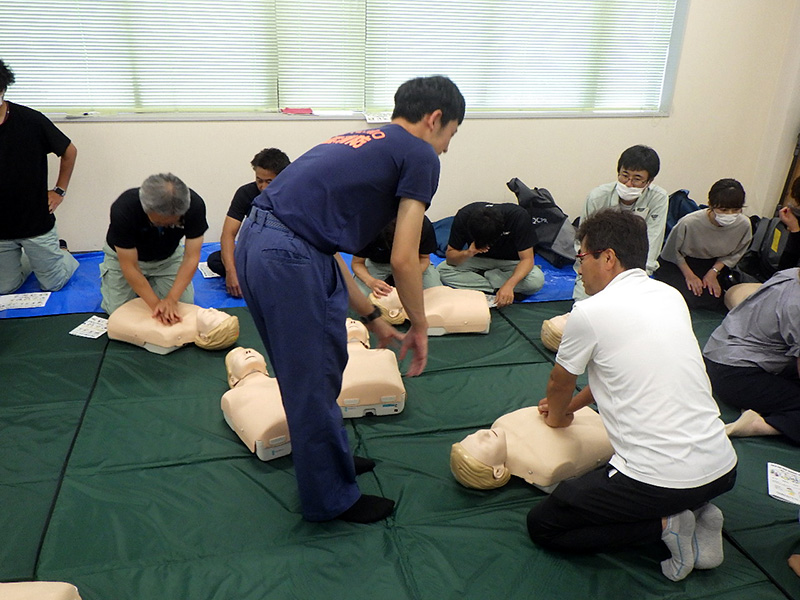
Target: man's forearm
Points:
(560, 390)
(455, 257)
(520, 272)
(424, 262)
(360, 271)
(356, 298)
(408, 281)
(66, 166)
(581, 399)
(227, 244)
(139, 284)
(184, 276)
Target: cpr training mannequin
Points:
(447, 310)
(552, 330)
(39, 590)
(253, 407)
(521, 443)
(208, 328)
(371, 385)
(738, 293)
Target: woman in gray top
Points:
(705, 244)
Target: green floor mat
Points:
(47, 377)
(160, 499)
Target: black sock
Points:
(362, 464)
(368, 509)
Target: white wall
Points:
(736, 113)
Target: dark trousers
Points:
(597, 512)
(298, 300)
(669, 273)
(774, 397)
(214, 262)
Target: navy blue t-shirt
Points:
(341, 193)
(517, 233)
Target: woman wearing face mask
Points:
(704, 245)
(790, 216)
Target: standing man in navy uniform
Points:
(337, 197)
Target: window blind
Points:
(508, 56)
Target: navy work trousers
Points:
(298, 300)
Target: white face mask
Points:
(628, 194)
(725, 219)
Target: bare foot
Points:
(750, 423)
(794, 563)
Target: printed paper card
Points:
(93, 327)
(206, 271)
(783, 483)
(31, 300)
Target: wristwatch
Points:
(60, 191)
(375, 314)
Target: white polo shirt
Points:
(647, 376)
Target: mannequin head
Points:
(391, 308)
(241, 362)
(739, 293)
(357, 332)
(552, 330)
(215, 329)
(473, 473)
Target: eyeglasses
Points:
(635, 180)
(594, 253)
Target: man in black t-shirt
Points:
(143, 255)
(27, 222)
(491, 249)
(267, 164)
(372, 265)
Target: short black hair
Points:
(726, 193)
(271, 159)
(423, 95)
(6, 77)
(640, 158)
(485, 226)
(796, 189)
(620, 230)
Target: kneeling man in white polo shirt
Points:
(646, 374)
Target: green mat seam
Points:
(67, 457)
(748, 556)
(514, 326)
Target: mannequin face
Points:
(489, 447)
(243, 361)
(357, 332)
(208, 319)
(390, 306)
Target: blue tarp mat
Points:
(82, 292)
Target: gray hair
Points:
(164, 194)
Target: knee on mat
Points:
(11, 288)
(539, 532)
